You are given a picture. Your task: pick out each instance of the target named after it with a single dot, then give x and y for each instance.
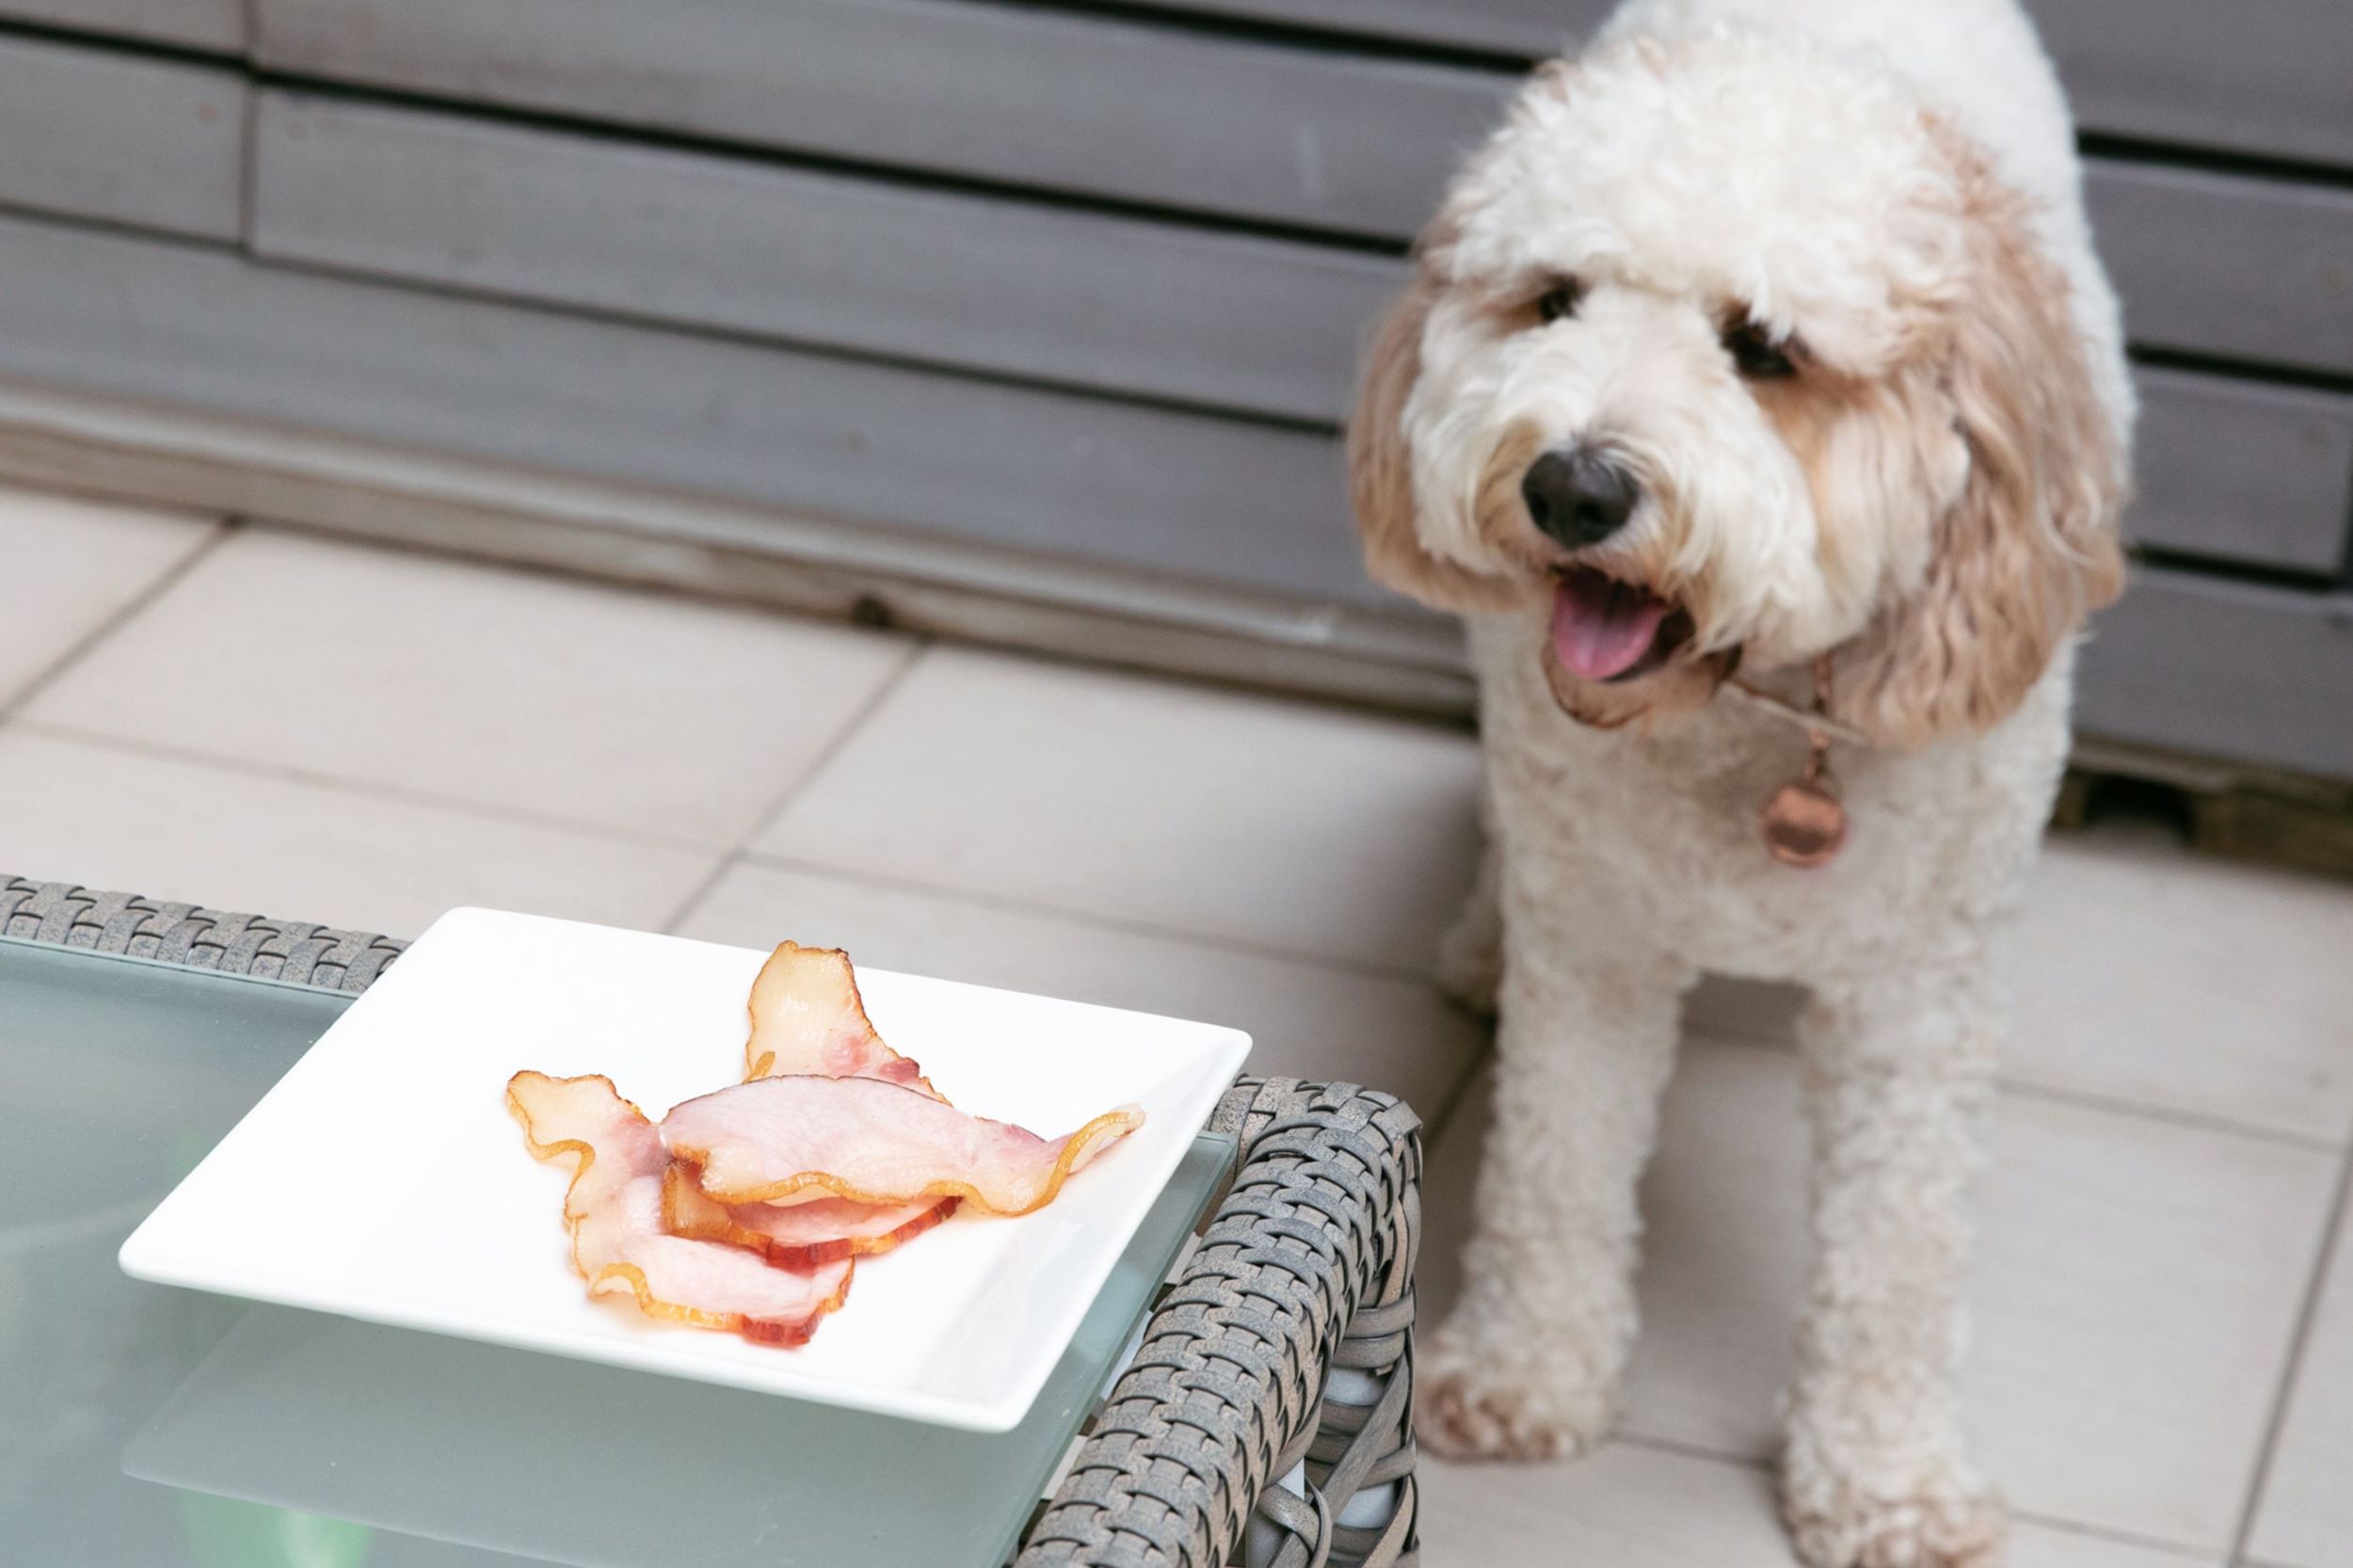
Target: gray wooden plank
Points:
(1209, 498)
(1530, 27)
(2263, 77)
(959, 280)
(214, 24)
(2214, 264)
(128, 139)
(2224, 669)
(2260, 76)
(1074, 103)
(2243, 472)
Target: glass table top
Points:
(142, 1425)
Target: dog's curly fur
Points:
(1886, 190)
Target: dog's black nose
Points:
(1578, 497)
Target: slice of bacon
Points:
(809, 1018)
(872, 1141)
(614, 1211)
(796, 1235)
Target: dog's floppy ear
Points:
(2031, 545)
(1380, 468)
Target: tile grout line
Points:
(2195, 1121)
(740, 851)
(1367, 968)
(1697, 1451)
(2119, 1537)
(129, 610)
(287, 774)
(13, 714)
(1370, 968)
(1701, 1453)
(2079, 1099)
(2300, 1346)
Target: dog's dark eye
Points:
(1560, 302)
(1754, 353)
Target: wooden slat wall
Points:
(1031, 470)
(708, 238)
(962, 280)
(1364, 146)
(1057, 276)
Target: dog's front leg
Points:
(1528, 1365)
(1471, 959)
(1875, 1476)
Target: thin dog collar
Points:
(1805, 822)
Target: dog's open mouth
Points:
(1608, 630)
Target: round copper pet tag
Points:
(1804, 826)
(1804, 822)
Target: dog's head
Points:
(1728, 354)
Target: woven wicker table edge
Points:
(1306, 1266)
(296, 952)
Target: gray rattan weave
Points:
(1307, 1266)
(293, 951)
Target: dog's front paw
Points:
(1476, 1400)
(1939, 1515)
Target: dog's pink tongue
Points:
(1601, 627)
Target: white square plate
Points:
(383, 1178)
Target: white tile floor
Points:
(261, 721)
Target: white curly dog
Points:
(1762, 353)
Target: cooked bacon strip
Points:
(613, 1211)
(809, 1018)
(871, 1142)
(796, 1235)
